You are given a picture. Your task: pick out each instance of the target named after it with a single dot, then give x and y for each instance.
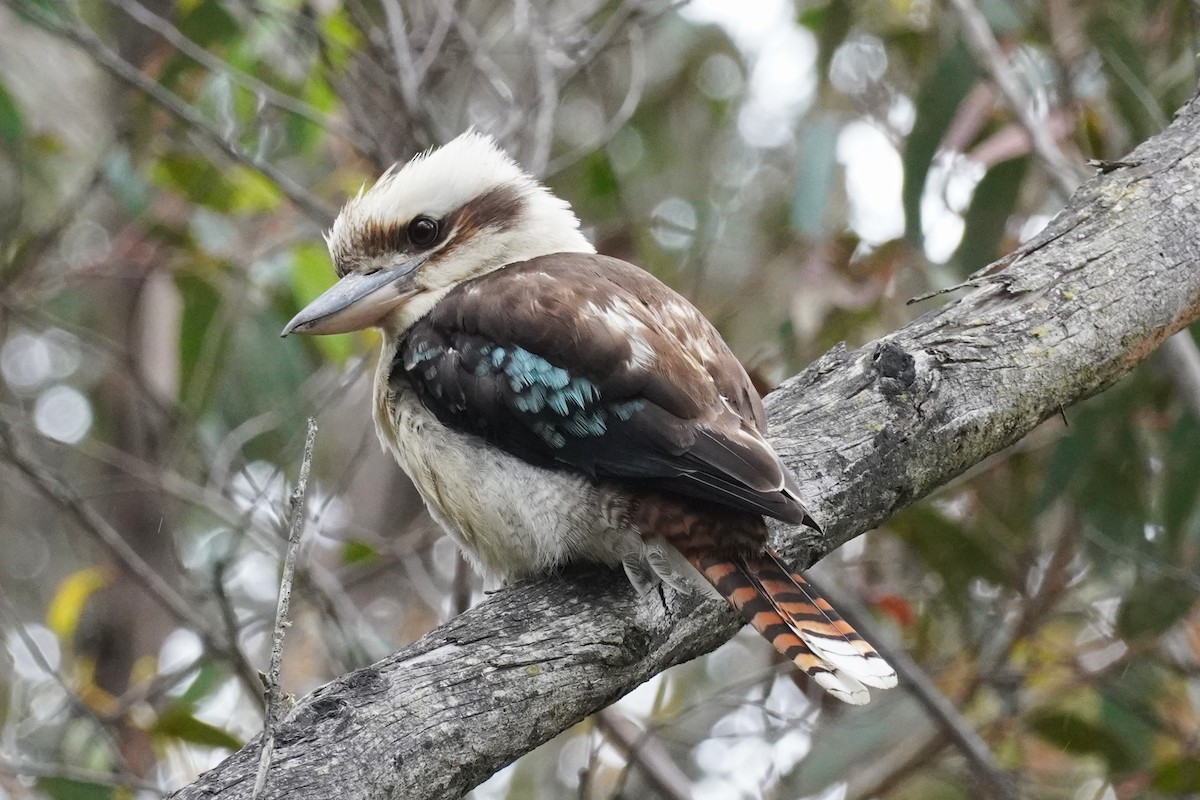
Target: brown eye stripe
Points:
(498, 209)
(379, 238)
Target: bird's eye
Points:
(423, 231)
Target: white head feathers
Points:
(444, 180)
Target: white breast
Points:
(510, 517)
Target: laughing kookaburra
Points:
(552, 405)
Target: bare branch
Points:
(9, 612)
(271, 679)
(983, 44)
(1180, 356)
(868, 431)
(37, 769)
(59, 493)
(629, 106)
(447, 11)
(268, 93)
(940, 709)
(546, 104)
(647, 752)
(127, 73)
(408, 77)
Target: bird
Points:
(554, 405)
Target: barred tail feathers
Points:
(785, 608)
(816, 621)
(778, 602)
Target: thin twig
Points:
(447, 10)
(629, 106)
(914, 680)
(460, 588)
(229, 621)
(55, 490)
(643, 748)
(983, 45)
(1179, 354)
(602, 39)
(993, 653)
(492, 75)
(268, 93)
(8, 612)
(152, 689)
(173, 105)
(407, 75)
(406, 72)
(271, 679)
(29, 252)
(36, 769)
(547, 88)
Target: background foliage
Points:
(798, 170)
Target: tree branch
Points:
(272, 692)
(127, 73)
(868, 431)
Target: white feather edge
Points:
(842, 686)
(849, 671)
(845, 658)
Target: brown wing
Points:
(588, 362)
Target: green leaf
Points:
(1072, 733)
(937, 102)
(11, 126)
(341, 37)
(177, 722)
(1152, 606)
(46, 144)
(253, 192)
(1179, 776)
(200, 303)
(986, 219)
(54, 9)
(207, 680)
(600, 198)
(355, 551)
(67, 789)
(311, 274)
(303, 135)
(236, 189)
(207, 22)
(956, 553)
(1181, 482)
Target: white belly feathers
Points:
(510, 517)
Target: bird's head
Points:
(451, 214)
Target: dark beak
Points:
(357, 301)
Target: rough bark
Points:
(868, 431)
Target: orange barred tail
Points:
(799, 623)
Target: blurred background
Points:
(799, 170)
